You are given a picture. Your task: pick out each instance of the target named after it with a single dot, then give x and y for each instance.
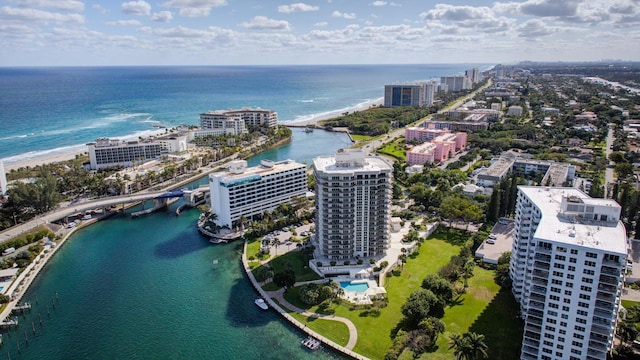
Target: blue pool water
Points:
(358, 288)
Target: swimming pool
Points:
(357, 287)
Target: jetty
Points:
(23, 307)
(311, 343)
(9, 323)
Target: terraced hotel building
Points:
(242, 191)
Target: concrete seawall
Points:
(302, 327)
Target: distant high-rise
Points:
(567, 265)
(456, 83)
(3, 180)
(353, 204)
(417, 94)
(473, 74)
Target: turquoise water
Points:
(146, 288)
(358, 287)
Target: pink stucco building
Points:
(441, 148)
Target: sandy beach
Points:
(39, 160)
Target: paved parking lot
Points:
(503, 233)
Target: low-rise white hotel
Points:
(249, 191)
(108, 153)
(567, 266)
(353, 204)
(235, 121)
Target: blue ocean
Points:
(53, 110)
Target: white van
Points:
(8, 251)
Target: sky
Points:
(267, 32)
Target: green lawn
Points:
(395, 149)
(629, 303)
(357, 137)
(294, 260)
(483, 309)
(333, 330)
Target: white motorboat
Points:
(261, 304)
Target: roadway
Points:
(608, 175)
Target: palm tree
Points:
(275, 242)
(461, 347)
(477, 344)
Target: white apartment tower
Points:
(243, 191)
(353, 199)
(567, 266)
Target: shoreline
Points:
(41, 157)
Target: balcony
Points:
(597, 329)
(530, 350)
(540, 265)
(604, 305)
(610, 271)
(537, 313)
(539, 290)
(542, 257)
(605, 279)
(532, 320)
(596, 346)
(607, 314)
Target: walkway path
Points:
(353, 332)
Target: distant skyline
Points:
(253, 32)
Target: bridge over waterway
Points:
(73, 208)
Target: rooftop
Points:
(560, 225)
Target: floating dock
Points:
(311, 343)
(23, 307)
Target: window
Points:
(558, 266)
(551, 321)
(556, 282)
(581, 320)
(552, 313)
(587, 280)
(570, 276)
(592, 255)
(578, 336)
(567, 292)
(574, 252)
(583, 304)
(585, 288)
(572, 268)
(573, 260)
(550, 328)
(585, 297)
(590, 263)
(555, 290)
(588, 272)
(566, 301)
(549, 336)
(560, 257)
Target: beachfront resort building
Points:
(109, 153)
(418, 94)
(249, 191)
(567, 265)
(353, 205)
(235, 121)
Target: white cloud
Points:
(138, 7)
(549, 8)
(457, 13)
(194, 8)
(38, 16)
(321, 24)
(534, 28)
(66, 5)
(264, 23)
(297, 7)
(343, 15)
(124, 23)
(100, 8)
(162, 16)
(378, 3)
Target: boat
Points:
(308, 129)
(218, 241)
(311, 343)
(261, 304)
